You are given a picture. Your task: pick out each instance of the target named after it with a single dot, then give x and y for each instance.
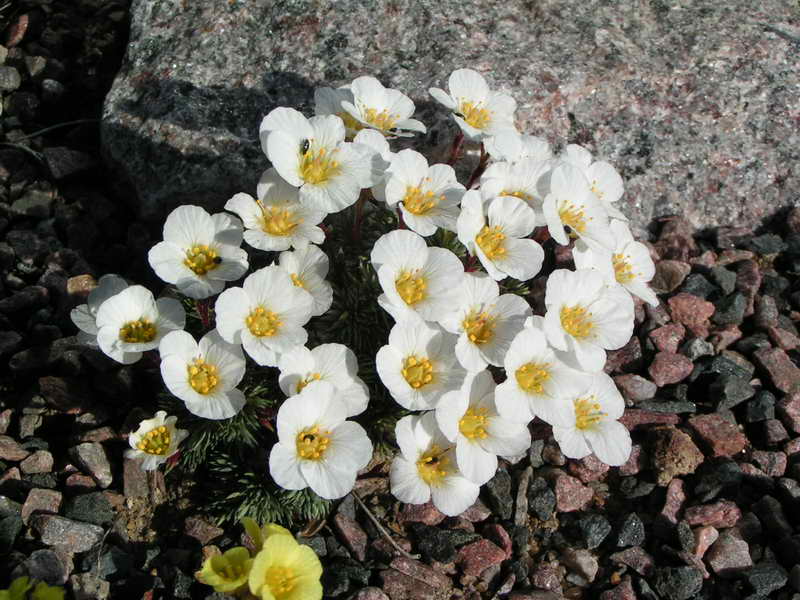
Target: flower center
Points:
(433, 465)
(203, 377)
(318, 166)
(312, 443)
(298, 281)
(227, 570)
(309, 378)
(419, 202)
(475, 115)
(573, 216)
(490, 240)
(531, 377)
(201, 259)
(622, 268)
(382, 120)
(410, 286)
(587, 412)
(418, 372)
(280, 581)
(518, 194)
(156, 441)
(479, 327)
(473, 424)
(576, 321)
(139, 331)
(597, 191)
(279, 221)
(262, 322)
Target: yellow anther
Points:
(473, 424)
(419, 202)
(475, 115)
(262, 322)
(410, 286)
(201, 259)
(298, 281)
(309, 378)
(479, 327)
(140, 331)
(382, 120)
(587, 412)
(312, 443)
(418, 372)
(573, 216)
(317, 166)
(434, 465)
(518, 194)
(203, 377)
(577, 321)
(622, 268)
(280, 581)
(531, 377)
(490, 240)
(156, 441)
(279, 221)
(350, 122)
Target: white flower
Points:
(385, 109)
(604, 180)
(316, 447)
(536, 380)
(415, 278)
(479, 112)
(308, 267)
(572, 204)
(203, 375)
(133, 322)
(277, 220)
(588, 423)
(334, 363)
(311, 154)
(629, 264)
(426, 468)
(155, 440)
(468, 417)
(428, 196)
(328, 101)
(512, 147)
(266, 315)
(527, 180)
(200, 252)
(376, 141)
(85, 315)
(485, 322)
(584, 316)
(419, 364)
(496, 237)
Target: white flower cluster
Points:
(451, 321)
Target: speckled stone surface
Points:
(696, 102)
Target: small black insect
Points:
(305, 146)
(217, 259)
(458, 114)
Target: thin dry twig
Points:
(381, 528)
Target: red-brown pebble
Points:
(721, 436)
(691, 311)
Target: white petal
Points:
(328, 479)
(610, 442)
(350, 443)
(476, 464)
(179, 343)
(455, 495)
(285, 469)
(283, 151)
(468, 85)
(572, 443)
(188, 225)
(405, 482)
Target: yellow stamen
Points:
(312, 443)
(410, 286)
(203, 377)
(490, 240)
(280, 581)
(418, 372)
(518, 194)
(531, 377)
(587, 412)
(279, 221)
(201, 259)
(573, 216)
(309, 378)
(479, 327)
(298, 281)
(622, 268)
(473, 424)
(576, 321)
(263, 322)
(433, 465)
(419, 202)
(350, 122)
(155, 442)
(139, 331)
(318, 166)
(382, 120)
(475, 115)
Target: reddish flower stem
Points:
(479, 169)
(455, 149)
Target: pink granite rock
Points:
(636, 418)
(636, 558)
(497, 534)
(720, 514)
(782, 371)
(41, 501)
(622, 591)
(571, 494)
(703, 538)
(721, 436)
(636, 387)
(772, 463)
(635, 462)
(669, 367)
(729, 556)
(788, 409)
(353, 536)
(691, 311)
(588, 469)
(478, 556)
(668, 337)
(421, 513)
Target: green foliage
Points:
(21, 586)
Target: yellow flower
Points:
(226, 573)
(285, 570)
(260, 534)
(42, 591)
